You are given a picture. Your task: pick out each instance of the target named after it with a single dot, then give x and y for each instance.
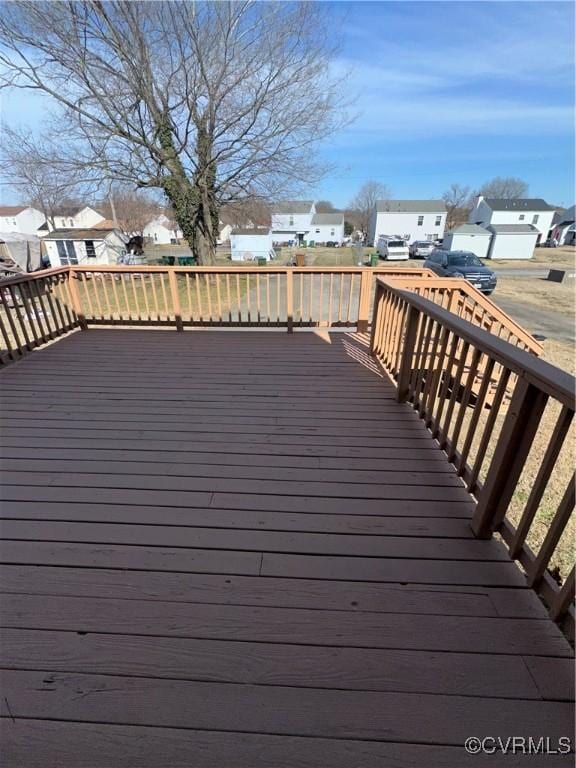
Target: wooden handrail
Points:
(462, 379)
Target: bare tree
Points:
(133, 209)
(458, 205)
(209, 102)
(362, 204)
(324, 206)
(509, 188)
(30, 167)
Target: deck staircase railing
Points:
(490, 404)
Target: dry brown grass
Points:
(544, 258)
(539, 292)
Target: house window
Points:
(521, 217)
(438, 221)
(90, 250)
(420, 220)
(535, 218)
(66, 252)
(317, 231)
(332, 233)
(431, 238)
(291, 221)
(71, 222)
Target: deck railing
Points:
(488, 404)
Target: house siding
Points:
(26, 222)
(482, 214)
(406, 224)
(461, 241)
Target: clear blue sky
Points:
(444, 92)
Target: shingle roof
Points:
(410, 206)
(470, 229)
(521, 204)
(78, 234)
(513, 228)
(328, 219)
(292, 206)
(12, 210)
(251, 231)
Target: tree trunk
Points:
(193, 200)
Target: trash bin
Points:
(168, 261)
(262, 261)
(300, 260)
(186, 261)
(374, 259)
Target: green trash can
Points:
(374, 259)
(168, 261)
(186, 261)
(262, 261)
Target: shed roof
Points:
(292, 206)
(470, 229)
(328, 219)
(79, 234)
(511, 229)
(410, 206)
(520, 204)
(12, 210)
(253, 231)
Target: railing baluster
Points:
(515, 440)
(289, 301)
(405, 372)
(175, 300)
(554, 534)
(164, 297)
(545, 471)
(563, 599)
(476, 355)
(480, 404)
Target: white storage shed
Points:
(512, 241)
(468, 237)
(251, 244)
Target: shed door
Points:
(66, 252)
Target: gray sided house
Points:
(327, 228)
(292, 221)
(408, 219)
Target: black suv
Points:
(462, 264)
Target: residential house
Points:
(72, 217)
(162, 230)
(21, 218)
(536, 212)
(512, 241)
(326, 228)
(84, 246)
(292, 221)
(224, 232)
(408, 219)
(468, 237)
(251, 244)
(564, 227)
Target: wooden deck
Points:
(237, 550)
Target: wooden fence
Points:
(446, 367)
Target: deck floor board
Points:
(238, 549)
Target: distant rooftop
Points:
(292, 206)
(251, 231)
(12, 210)
(521, 204)
(410, 206)
(470, 229)
(328, 219)
(514, 228)
(79, 234)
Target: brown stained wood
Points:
(275, 709)
(274, 664)
(37, 743)
(253, 519)
(384, 525)
(325, 628)
(252, 540)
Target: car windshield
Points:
(425, 245)
(464, 260)
(395, 243)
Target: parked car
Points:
(421, 249)
(392, 248)
(462, 264)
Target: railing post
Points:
(175, 300)
(407, 354)
(375, 313)
(514, 443)
(76, 306)
(364, 300)
(289, 300)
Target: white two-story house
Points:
(292, 221)
(20, 218)
(408, 219)
(496, 212)
(327, 228)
